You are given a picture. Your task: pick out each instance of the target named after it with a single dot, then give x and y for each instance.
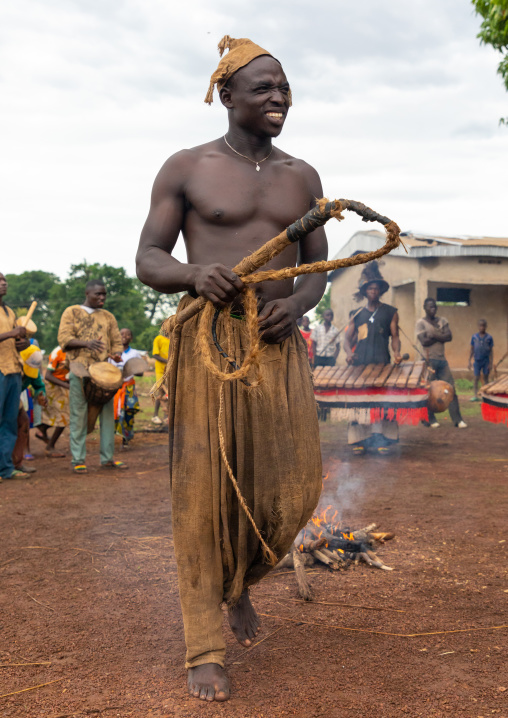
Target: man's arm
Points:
(158, 357)
(53, 379)
(471, 354)
(394, 331)
(155, 266)
(443, 334)
(348, 341)
(16, 333)
(277, 318)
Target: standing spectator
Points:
(12, 340)
(482, 351)
(433, 333)
(325, 341)
(160, 353)
(56, 413)
(126, 399)
(306, 333)
(33, 386)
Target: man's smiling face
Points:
(258, 97)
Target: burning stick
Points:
(375, 562)
(335, 556)
(304, 588)
(309, 546)
(330, 562)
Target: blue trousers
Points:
(10, 389)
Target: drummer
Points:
(372, 328)
(89, 334)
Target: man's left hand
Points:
(277, 321)
(397, 358)
(42, 400)
(22, 344)
(116, 357)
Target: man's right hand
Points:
(218, 283)
(19, 333)
(96, 345)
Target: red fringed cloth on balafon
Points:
(376, 392)
(495, 400)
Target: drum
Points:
(99, 387)
(31, 326)
(440, 396)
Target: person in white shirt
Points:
(126, 400)
(325, 340)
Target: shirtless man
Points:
(228, 197)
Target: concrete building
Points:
(468, 277)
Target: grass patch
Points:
(464, 386)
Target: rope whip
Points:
(248, 271)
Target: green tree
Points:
(29, 286)
(494, 31)
(325, 303)
(158, 306)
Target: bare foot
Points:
(244, 620)
(208, 682)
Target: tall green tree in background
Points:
(494, 32)
(29, 286)
(325, 303)
(135, 306)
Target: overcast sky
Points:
(395, 104)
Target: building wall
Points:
(412, 280)
(486, 302)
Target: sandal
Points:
(358, 450)
(27, 469)
(115, 465)
(80, 469)
(383, 450)
(17, 474)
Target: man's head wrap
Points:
(241, 52)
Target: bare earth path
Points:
(88, 584)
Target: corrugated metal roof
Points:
(426, 245)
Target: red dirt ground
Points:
(88, 585)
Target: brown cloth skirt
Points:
(272, 443)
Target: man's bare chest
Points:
(234, 196)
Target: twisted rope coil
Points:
(248, 271)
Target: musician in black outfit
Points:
(372, 328)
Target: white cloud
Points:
(396, 105)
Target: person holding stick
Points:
(88, 333)
(228, 197)
(366, 342)
(12, 341)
